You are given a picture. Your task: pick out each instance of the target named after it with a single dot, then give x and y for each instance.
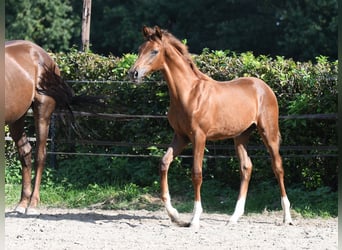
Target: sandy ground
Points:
(103, 229)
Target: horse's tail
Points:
(53, 85)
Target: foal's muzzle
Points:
(133, 74)
(136, 75)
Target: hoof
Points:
(32, 211)
(20, 210)
(288, 222)
(181, 223)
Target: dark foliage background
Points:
(299, 29)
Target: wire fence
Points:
(288, 151)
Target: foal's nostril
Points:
(132, 74)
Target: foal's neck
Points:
(180, 74)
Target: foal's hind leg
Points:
(24, 151)
(245, 173)
(271, 137)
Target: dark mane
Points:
(181, 47)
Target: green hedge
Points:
(301, 88)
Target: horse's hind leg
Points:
(245, 173)
(271, 137)
(24, 150)
(42, 110)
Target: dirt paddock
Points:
(59, 229)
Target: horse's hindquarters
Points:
(18, 98)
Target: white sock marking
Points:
(239, 210)
(285, 204)
(196, 214)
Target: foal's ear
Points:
(147, 32)
(158, 32)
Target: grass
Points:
(74, 186)
(129, 196)
(215, 198)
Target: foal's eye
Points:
(154, 52)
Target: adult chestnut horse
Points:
(204, 109)
(32, 79)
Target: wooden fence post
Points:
(86, 14)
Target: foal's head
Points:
(153, 51)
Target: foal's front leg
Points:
(198, 153)
(177, 145)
